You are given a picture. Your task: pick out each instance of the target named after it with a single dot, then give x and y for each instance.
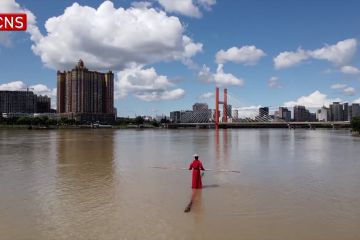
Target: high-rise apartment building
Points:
(301, 114)
(43, 104)
(336, 112)
(323, 114)
(284, 114)
(264, 112)
(23, 102)
(86, 95)
(200, 106)
(354, 110)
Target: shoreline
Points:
(135, 127)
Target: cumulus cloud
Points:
(220, 78)
(190, 8)
(38, 89)
(248, 55)
(344, 89)
(338, 86)
(13, 86)
(10, 6)
(273, 82)
(207, 4)
(225, 79)
(357, 101)
(349, 70)
(145, 84)
(314, 100)
(349, 91)
(288, 59)
(113, 38)
(207, 95)
(141, 4)
(339, 54)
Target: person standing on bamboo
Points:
(196, 166)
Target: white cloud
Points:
(207, 95)
(349, 70)
(225, 79)
(190, 8)
(39, 89)
(141, 4)
(248, 55)
(145, 84)
(185, 7)
(357, 101)
(288, 59)
(13, 86)
(207, 4)
(349, 91)
(113, 38)
(10, 6)
(314, 100)
(344, 89)
(273, 82)
(205, 74)
(338, 86)
(339, 54)
(219, 78)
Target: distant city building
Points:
(213, 115)
(354, 110)
(23, 102)
(200, 107)
(301, 114)
(17, 102)
(264, 112)
(175, 116)
(312, 117)
(187, 116)
(229, 110)
(86, 96)
(336, 112)
(235, 114)
(284, 114)
(43, 104)
(346, 112)
(323, 114)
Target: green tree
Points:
(155, 123)
(24, 120)
(139, 120)
(355, 124)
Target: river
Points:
(101, 184)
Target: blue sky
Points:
(315, 42)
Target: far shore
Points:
(137, 127)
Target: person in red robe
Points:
(196, 166)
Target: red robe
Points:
(196, 166)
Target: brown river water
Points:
(100, 184)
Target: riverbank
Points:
(50, 127)
(312, 126)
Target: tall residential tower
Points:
(84, 95)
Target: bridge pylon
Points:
(225, 107)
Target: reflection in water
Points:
(84, 181)
(222, 150)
